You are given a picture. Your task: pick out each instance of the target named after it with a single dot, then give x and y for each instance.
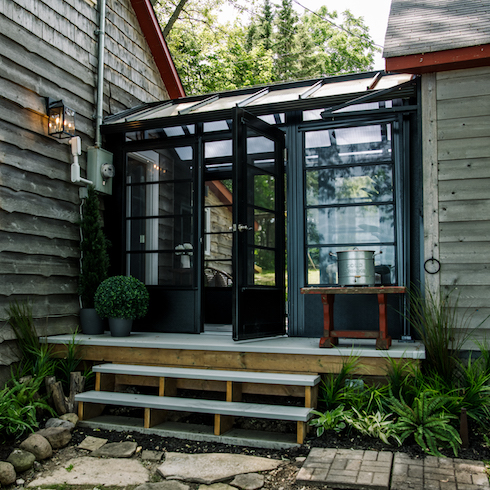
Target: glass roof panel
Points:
(222, 103)
(284, 95)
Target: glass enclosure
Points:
(349, 176)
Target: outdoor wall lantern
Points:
(61, 119)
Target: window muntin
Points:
(160, 237)
(350, 199)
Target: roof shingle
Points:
(428, 26)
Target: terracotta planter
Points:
(120, 327)
(90, 322)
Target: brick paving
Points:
(345, 468)
(381, 470)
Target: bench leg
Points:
(154, 417)
(222, 423)
(384, 341)
(301, 430)
(87, 411)
(327, 340)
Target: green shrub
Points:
(93, 248)
(427, 422)
(122, 297)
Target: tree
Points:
(274, 45)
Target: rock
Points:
(216, 486)
(248, 481)
(37, 445)
(21, 460)
(59, 423)
(116, 450)
(98, 473)
(19, 482)
(151, 455)
(7, 473)
(212, 467)
(70, 417)
(92, 443)
(57, 436)
(164, 485)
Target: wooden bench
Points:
(91, 404)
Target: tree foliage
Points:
(273, 44)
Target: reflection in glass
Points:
(323, 267)
(163, 269)
(352, 224)
(159, 216)
(344, 185)
(264, 229)
(264, 191)
(218, 236)
(264, 267)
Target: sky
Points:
(375, 14)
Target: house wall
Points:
(456, 131)
(49, 49)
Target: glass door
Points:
(259, 295)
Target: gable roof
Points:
(159, 49)
(454, 27)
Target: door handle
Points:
(244, 228)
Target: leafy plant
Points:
(427, 422)
(70, 361)
(333, 390)
(93, 246)
(122, 297)
(442, 331)
(36, 358)
(329, 420)
(378, 425)
(19, 403)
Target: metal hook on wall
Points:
(433, 261)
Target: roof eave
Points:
(159, 49)
(451, 59)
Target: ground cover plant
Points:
(415, 406)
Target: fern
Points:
(427, 421)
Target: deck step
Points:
(210, 374)
(238, 409)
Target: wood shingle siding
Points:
(49, 49)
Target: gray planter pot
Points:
(120, 327)
(90, 322)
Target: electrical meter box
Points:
(100, 169)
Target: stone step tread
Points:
(239, 409)
(210, 374)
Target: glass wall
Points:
(159, 216)
(349, 177)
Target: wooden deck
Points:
(279, 354)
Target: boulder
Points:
(7, 473)
(37, 445)
(57, 436)
(60, 423)
(70, 417)
(21, 460)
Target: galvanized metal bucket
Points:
(355, 267)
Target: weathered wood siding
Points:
(49, 49)
(463, 188)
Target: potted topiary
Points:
(94, 263)
(121, 299)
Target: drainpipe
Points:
(100, 74)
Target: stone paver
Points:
(92, 471)
(349, 469)
(212, 467)
(434, 473)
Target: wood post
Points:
(222, 423)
